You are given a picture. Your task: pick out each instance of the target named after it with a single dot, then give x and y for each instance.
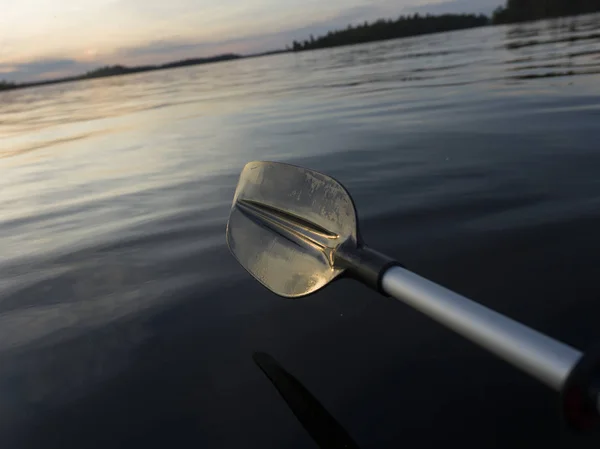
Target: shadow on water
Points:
(326, 432)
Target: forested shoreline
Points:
(383, 29)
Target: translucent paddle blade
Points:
(285, 225)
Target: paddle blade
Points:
(285, 225)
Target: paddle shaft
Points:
(544, 358)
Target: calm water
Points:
(473, 158)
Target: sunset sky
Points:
(42, 39)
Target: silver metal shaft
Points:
(544, 358)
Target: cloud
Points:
(170, 49)
(161, 48)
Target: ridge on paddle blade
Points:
(286, 223)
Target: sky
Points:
(42, 39)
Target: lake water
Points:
(473, 158)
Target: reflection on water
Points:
(124, 321)
(571, 44)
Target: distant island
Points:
(517, 11)
(514, 11)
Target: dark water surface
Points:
(473, 158)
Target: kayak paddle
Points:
(295, 230)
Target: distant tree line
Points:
(108, 71)
(5, 85)
(114, 70)
(195, 61)
(382, 29)
(524, 10)
(122, 70)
